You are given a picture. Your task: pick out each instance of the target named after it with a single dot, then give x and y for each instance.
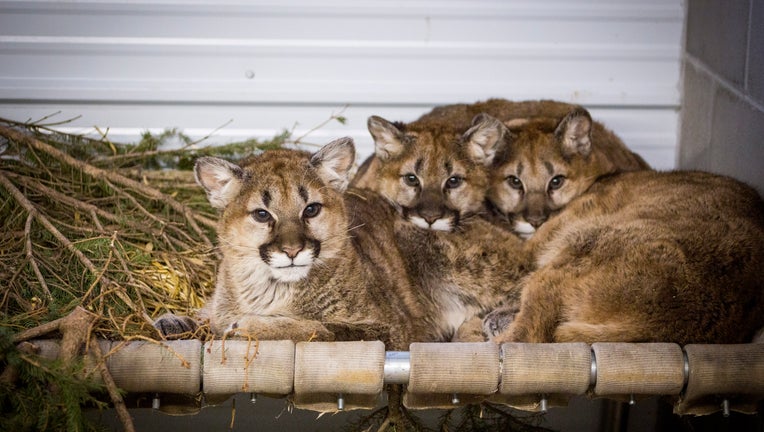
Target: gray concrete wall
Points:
(722, 116)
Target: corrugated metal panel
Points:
(266, 65)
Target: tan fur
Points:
(435, 176)
(540, 140)
(450, 121)
(428, 171)
(643, 257)
(546, 162)
(464, 274)
(352, 275)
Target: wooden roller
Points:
(236, 366)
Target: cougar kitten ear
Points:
(387, 137)
(219, 178)
(334, 161)
(574, 133)
(484, 138)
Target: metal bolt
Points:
(726, 407)
(253, 397)
(340, 402)
(155, 401)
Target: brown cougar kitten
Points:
(569, 151)
(543, 163)
(435, 175)
(645, 257)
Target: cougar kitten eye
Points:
(454, 182)
(411, 180)
(261, 215)
(556, 182)
(514, 182)
(311, 210)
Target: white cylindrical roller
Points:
(561, 368)
(140, 366)
(339, 367)
(716, 373)
(468, 368)
(638, 369)
(237, 366)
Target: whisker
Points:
(356, 227)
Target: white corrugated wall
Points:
(259, 67)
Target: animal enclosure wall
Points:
(723, 111)
(256, 68)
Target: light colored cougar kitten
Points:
(300, 260)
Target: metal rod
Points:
(397, 367)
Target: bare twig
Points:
(248, 361)
(183, 361)
(38, 331)
(332, 117)
(39, 122)
(80, 205)
(150, 215)
(31, 258)
(126, 270)
(75, 328)
(111, 387)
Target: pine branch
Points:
(111, 176)
(93, 210)
(75, 329)
(32, 210)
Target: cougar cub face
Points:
(433, 175)
(542, 168)
(282, 214)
